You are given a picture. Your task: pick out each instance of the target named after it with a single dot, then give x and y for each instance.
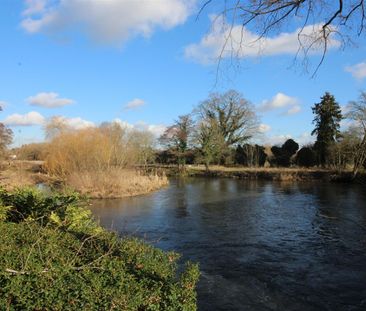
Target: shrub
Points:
(115, 183)
(282, 155)
(306, 157)
(97, 149)
(63, 260)
(32, 152)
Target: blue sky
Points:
(146, 62)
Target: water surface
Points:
(260, 245)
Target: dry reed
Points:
(115, 183)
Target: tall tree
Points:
(327, 120)
(177, 138)
(232, 120)
(55, 126)
(6, 137)
(209, 140)
(357, 113)
(232, 114)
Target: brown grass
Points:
(115, 183)
(14, 174)
(220, 168)
(270, 173)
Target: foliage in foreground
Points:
(53, 256)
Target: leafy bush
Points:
(306, 157)
(282, 155)
(53, 256)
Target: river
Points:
(260, 245)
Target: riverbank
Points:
(15, 174)
(106, 184)
(55, 256)
(116, 183)
(264, 173)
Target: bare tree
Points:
(357, 113)
(223, 121)
(177, 137)
(6, 137)
(233, 115)
(329, 20)
(55, 126)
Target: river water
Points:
(261, 245)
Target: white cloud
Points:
(358, 71)
(28, 119)
(75, 123)
(281, 101)
(263, 128)
(112, 21)
(305, 139)
(155, 129)
(34, 7)
(277, 140)
(48, 100)
(295, 109)
(124, 124)
(225, 41)
(135, 103)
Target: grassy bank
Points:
(54, 256)
(278, 174)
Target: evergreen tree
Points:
(327, 119)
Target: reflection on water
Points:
(260, 245)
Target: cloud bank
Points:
(225, 41)
(358, 71)
(75, 123)
(281, 101)
(155, 129)
(106, 21)
(28, 119)
(135, 103)
(48, 100)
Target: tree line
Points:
(220, 130)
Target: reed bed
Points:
(115, 183)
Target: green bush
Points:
(55, 257)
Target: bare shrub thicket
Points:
(99, 161)
(97, 148)
(32, 152)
